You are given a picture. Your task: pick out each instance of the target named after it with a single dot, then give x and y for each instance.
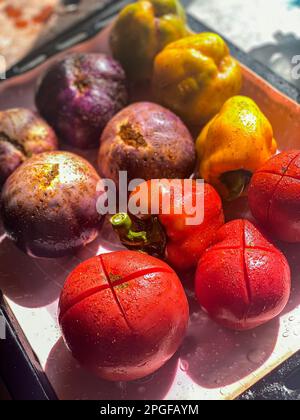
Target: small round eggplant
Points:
(79, 95)
(148, 141)
(22, 135)
(48, 205)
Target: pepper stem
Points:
(122, 223)
(236, 182)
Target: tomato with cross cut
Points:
(123, 315)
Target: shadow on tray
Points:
(216, 357)
(73, 382)
(34, 283)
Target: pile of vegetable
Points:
(123, 315)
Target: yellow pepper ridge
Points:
(142, 30)
(194, 76)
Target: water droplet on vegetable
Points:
(256, 356)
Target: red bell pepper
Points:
(168, 234)
(123, 315)
(242, 281)
(274, 196)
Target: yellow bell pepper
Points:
(233, 145)
(142, 30)
(195, 76)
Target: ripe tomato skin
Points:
(123, 315)
(242, 281)
(185, 243)
(274, 196)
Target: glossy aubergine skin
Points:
(242, 281)
(274, 196)
(22, 135)
(148, 141)
(123, 315)
(79, 95)
(48, 205)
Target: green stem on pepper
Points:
(122, 223)
(143, 235)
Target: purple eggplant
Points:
(148, 141)
(48, 205)
(79, 95)
(22, 135)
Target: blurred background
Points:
(269, 30)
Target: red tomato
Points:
(123, 315)
(274, 196)
(242, 281)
